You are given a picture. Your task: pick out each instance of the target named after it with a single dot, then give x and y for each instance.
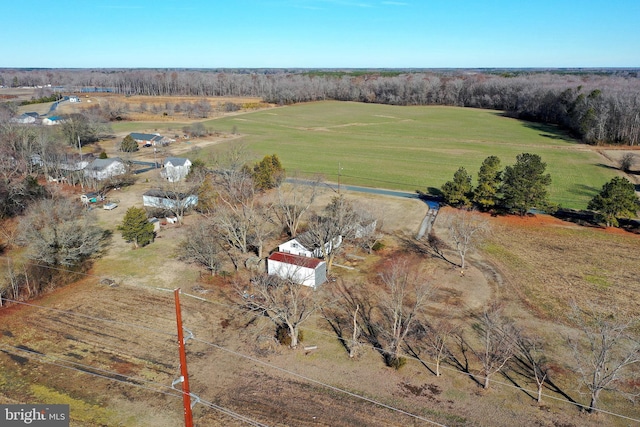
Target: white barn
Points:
(175, 168)
(306, 271)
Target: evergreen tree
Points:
(485, 195)
(128, 144)
(524, 185)
(616, 199)
(268, 173)
(457, 192)
(136, 228)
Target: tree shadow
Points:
(431, 246)
(523, 368)
(462, 363)
(551, 131)
(416, 355)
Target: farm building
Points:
(52, 121)
(301, 246)
(150, 139)
(299, 269)
(26, 118)
(105, 168)
(175, 168)
(156, 198)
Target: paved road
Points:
(393, 193)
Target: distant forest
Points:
(597, 106)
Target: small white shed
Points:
(307, 271)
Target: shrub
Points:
(378, 246)
(283, 337)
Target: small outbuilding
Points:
(304, 270)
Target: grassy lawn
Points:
(411, 148)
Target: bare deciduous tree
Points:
(60, 232)
(201, 246)
(435, 337)
(497, 344)
(466, 229)
(531, 356)
(286, 303)
(605, 352)
(627, 161)
(406, 291)
(325, 231)
(292, 201)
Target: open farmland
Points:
(412, 148)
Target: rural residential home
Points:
(171, 200)
(301, 246)
(105, 168)
(52, 121)
(175, 168)
(25, 118)
(299, 269)
(149, 139)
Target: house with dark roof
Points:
(304, 270)
(149, 139)
(175, 168)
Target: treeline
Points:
(599, 108)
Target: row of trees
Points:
(516, 189)
(390, 313)
(598, 107)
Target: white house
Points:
(301, 246)
(300, 269)
(156, 198)
(52, 121)
(175, 168)
(105, 168)
(25, 118)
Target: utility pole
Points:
(339, 173)
(184, 378)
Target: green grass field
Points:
(410, 148)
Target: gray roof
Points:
(100, 164)
(175, 161)
(145, 136)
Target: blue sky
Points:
(320, 33)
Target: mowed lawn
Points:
(413, 148)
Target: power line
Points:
(86, 316)
(118, 378)
(384, 405)
(315, 330)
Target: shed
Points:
(306, 271)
